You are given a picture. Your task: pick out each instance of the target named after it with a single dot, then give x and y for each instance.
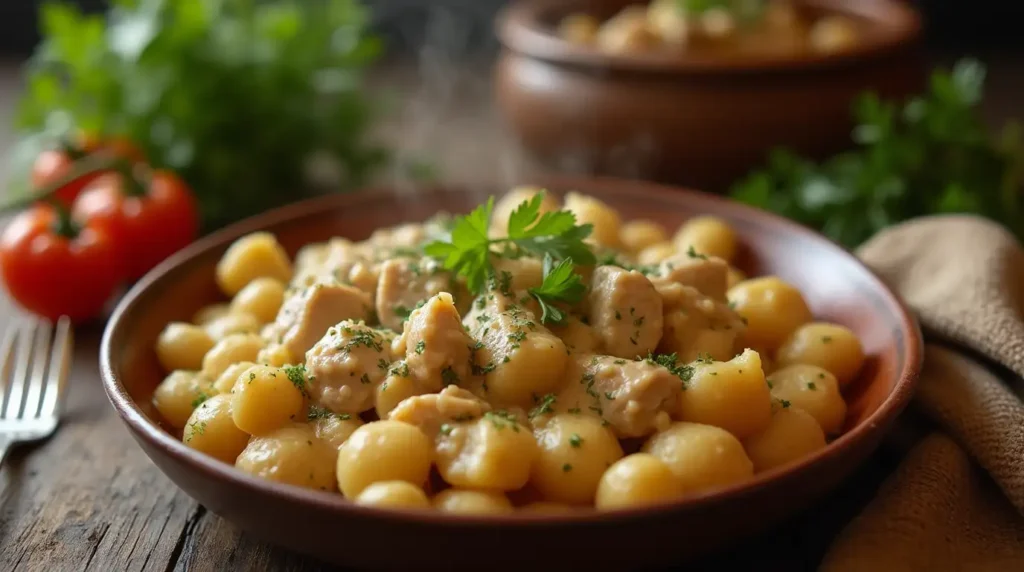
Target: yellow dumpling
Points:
(772, 308)
(830, 346)
(639, 234)
(253, 256)
(702, 456)
(637, 480)
(732, 395)
(707, 235)
(210, 430)
(292, 455)
(494, 452)
(182, 346)
(266, 398)
(260, 298)
(179, 394)
(232, 349)
(813, 390)
(393, 494)
(383, 451)
(464, 501)
(605, 220)
(574, 452)
(791, 435)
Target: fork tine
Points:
(57, 373)
(35, 385)
(6, 359)
(17, 393)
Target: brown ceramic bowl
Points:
(836, 285)
(691, 118)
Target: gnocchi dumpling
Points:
(383, 451)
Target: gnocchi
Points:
(729, 28)
(370, 370)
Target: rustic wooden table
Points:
(89, 499)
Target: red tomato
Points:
(54, 164)
(52, 268)
(151, 216)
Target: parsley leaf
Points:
(468, 249)
(561, 284)
(467, 252)
(932, 154)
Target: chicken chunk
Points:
(346, 366)
(635, 398)
(709, 275)
(430, 412)
(434, 351)
(406, 283)
(306, 314)
(697, 324)
(517, 356)
(625, 312)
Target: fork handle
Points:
(5, 445)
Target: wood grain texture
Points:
(89, 499)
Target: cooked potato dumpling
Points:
(383, 451)
(637, 235)
(266, 398)
(464, 501)
(210, 430)
(494, 452)
(292, 455)
(701, 456)
(253, 256)
(605, 219)
(636, 480)
(828, 346)
(791, 435)
(393, 494)
(813, 390)
(179, 394)
(575, 450)
(261, 298)
(773, 310)
(182, 346)
(732, 395)
(232, 349)
(708, 236)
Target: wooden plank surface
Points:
(89, 499)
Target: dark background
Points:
(952, 25)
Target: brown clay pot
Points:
(699, 119)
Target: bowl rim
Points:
(520, 29)
(155, 436)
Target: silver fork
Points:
(31, 398)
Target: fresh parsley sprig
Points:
(468, 250)
(561, 284)
(932, 154)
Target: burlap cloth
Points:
(957, 499)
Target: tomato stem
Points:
(64, 226)
(88, 165)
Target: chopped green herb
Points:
(575, 440)
(297, 375)
(420, 346)
(200, 398)
(546, 405)
(566, 468)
